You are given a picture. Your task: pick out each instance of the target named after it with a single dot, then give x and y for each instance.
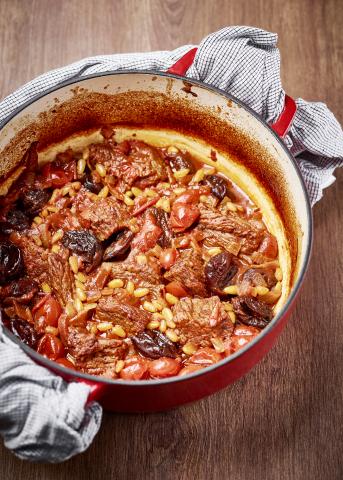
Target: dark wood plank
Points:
(283, 421)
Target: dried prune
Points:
(86, 245)
(119, 246)
(218, 186)
(180, 160)
(24, 331)
(90, 185)
(22, 290)
(252, 312)
(162, 219)
(219, 271)
(34, 200)
(16, 221)
(11, 262)
(154, 344)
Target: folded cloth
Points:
(43, 418)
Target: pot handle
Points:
(97, 390)
(281, 126)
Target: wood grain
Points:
(283, 421)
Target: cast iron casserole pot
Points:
(168, 109)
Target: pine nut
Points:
(85, 153)
(163, 326)
(52, 209)
(70, 309)
(57, 236)
(153, 325)
(55, 248)
(44, 213)
(171, 299)
(107, 291)
(167, 314)
(81, 165)
(141, 292)
(261, 290)
(90, 306)
(37, 240)
(104, 326)
(218, 345)
(181, 173)
(130, 287)
(231, 290)
(172, 335)
(166, 205)
(232, 316)
(278, 274)
(203, 198)
(210, 171)
(81, 295)
(149, 307)
(199, 176)
(79, 284)
(189, 348)
(46, 288)
(148, 192)
(172, 149)
(128, 201)
(119, 366)
(136, 191)
(141, 259)
(231, 206)
(64, 191)
(119, 331)
(277, 288)
(129, 193)
(74, 264)
(103, 192)
(81, 277)
(52, 330)
(214, 251)
(116, 283)
(228, 307)
(38, 220)
(171, 323)
(158, 305)
(179, 190)
(78, 305)
(100, 169)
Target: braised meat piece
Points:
(61, 278)
(35, 257)
(94, 355)
(201, 319)
(189, 271)
(103, 216)
(215, 238)
(141, 166)
(132, 319)
(231, 223)
(145, 276)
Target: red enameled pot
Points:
(175, 103)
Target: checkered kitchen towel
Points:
(41, 417)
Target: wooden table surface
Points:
(284, 419)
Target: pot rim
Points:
(51, 365)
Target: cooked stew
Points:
(133, 262)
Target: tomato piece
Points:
(189, 369)
(148, 235)
(136, 368)
(177, 289)
(65, 363)
(56, 177)
(205, 356)
(243, 334)
(146, 205)
(183, 216)
(46, 312)
(167, 257)
(188, 197)
(269, 246)
(50, 346)
(164, 367)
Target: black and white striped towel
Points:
(41, 417)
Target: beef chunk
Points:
(189, 271)
(132, 319)
(215, 238)
(200, 319)
(146, 275)
(61, 278)
(94, 355)
(246, 233)
(104, 216)
(35, 257)
(139, 164)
